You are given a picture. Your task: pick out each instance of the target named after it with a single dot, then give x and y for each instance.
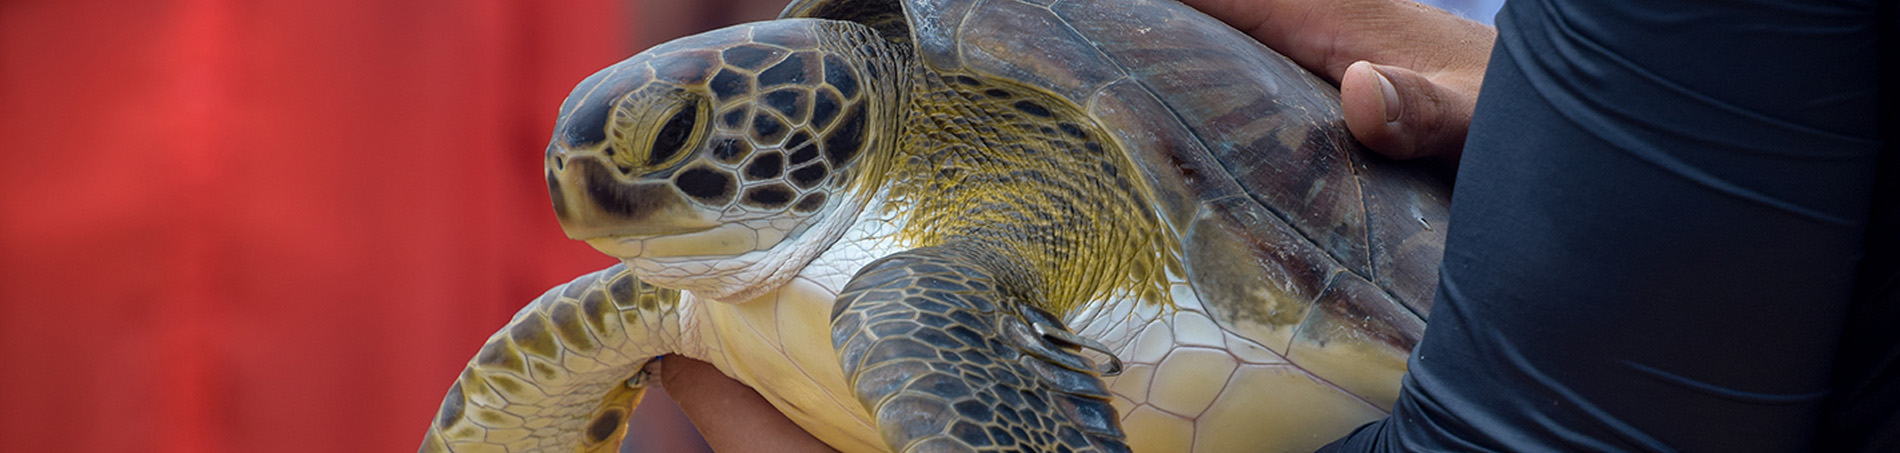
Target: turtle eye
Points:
(674, 134)
(653, 132)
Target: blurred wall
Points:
(249, 226)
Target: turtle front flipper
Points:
(946, 359)
(563, 374)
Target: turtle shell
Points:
(1248, 154)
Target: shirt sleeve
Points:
(1655, 233)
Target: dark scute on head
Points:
(766, 166)
(750, 56)
(603, 427)
(823, 108)
(839, 75)
(767, 128)
(733, 118)
(998, 93)
(968, 81)
(588, 125)
(731, 150)
(611, 195)
(783, 35)
(803, 155)
(770, 196)
(844, 141)
(706, 184)
(1033, 109)
(554, 192)
(809, 176)
(798, 139)
(728, 84)
(789, 102)
(685, 68)
(792, 71)
(673, 135)
(452, 407)
(811, 202)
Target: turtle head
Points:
(724, 144)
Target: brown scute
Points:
(734, 118)
(838, 74)
(706, 184)
(765, 166)
(685, 68)
(804, 154)
(791, 103)
(811, 202)
(770, 196)
(604, 426)
(798, 139)
(824, 108)
(795, 70)
(587, 125)
(785, 35)
(727, 84)
(731, 150)
(843, 142)
(611, 196)
(809, 176)
(767, 129)
(751, 56)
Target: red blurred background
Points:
(247, 226)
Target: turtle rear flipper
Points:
(577, 356)
(946, 360)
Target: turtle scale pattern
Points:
(970, 225)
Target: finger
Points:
(731, 416)
(1404, 115)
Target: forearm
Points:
(731, 416)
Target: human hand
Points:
(1408, 74)
(731, 416)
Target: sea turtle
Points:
(947, 225)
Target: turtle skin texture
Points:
(972, 225)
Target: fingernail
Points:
(1388, 96)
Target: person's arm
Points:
(731, 416)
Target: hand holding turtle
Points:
(1408, 74)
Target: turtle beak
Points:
(593, 199)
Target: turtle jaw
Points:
(727, 240)
(593, 200)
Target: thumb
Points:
(1404, 115)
